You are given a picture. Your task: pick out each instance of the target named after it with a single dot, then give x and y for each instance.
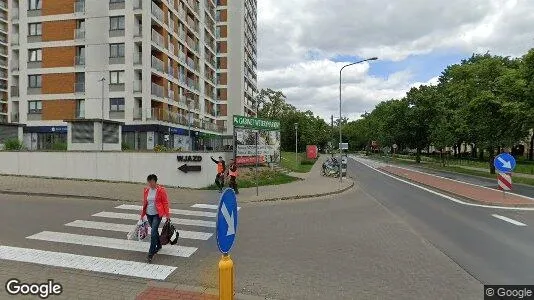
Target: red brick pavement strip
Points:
(471, 192)
(158, 293)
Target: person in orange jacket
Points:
(232, 172)
(221, 168)
(155, 207)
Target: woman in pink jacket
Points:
(155, 207)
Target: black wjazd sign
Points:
(186, 168)
(189, 158)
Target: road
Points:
(383, 239)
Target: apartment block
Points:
(150, 64)
(4, 42)
(236, 59)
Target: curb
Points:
(202, 290)
(52, 195)
(460, 196)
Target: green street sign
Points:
(256, 123)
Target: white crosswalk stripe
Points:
(173, 211)
(105, 242)
(87, 263)
(113, 215)
(208, 206)
(206, 224)
(184, 234)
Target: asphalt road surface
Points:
(384, 239)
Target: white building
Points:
(4, 42)
(147, 63)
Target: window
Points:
(116, 77)
(35, 55)
(35, 107)
(35, 4)
(116, 50)
(116, 104)
(34, 81)
(116, 23)
(35, 29)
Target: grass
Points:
(265, 177)
(304, 164)
(454, 169)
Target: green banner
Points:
(256, 123)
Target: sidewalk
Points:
(170, 291)
(468, 191)
(312, 185)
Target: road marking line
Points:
(173, 211)
(105, 242)
(113, 215)
(208, 206)
(86, 263)
(443, 195)
(193, 235)
(509, 220)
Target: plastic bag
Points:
(144, 230)
(133, 234)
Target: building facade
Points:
(150, 64)
(4, 42)
(236, 59)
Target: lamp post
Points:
(103, 80)
(257, 137)
(296, 145)
(340, 136)
(188, 104)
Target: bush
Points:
(160, 148)
(125, 146)
(58, 146)
(13, 145)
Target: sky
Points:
(302, 44)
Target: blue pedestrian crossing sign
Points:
(504, 163)
(226, 221)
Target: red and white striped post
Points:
(504, 181)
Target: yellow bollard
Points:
(226, 278)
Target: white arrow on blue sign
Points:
(226, 221)
(504, 163)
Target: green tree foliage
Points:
(485, 101)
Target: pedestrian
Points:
(232, 172)
(221, 168)
(155, 207)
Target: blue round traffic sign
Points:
(504, 163)
(226, 221)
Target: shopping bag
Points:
(133, 234)
(169, 234)
(144, 229)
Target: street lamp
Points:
(103, 80)
(188, 104)
(296, 144)
(340, 136)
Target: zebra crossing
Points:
(196, 225)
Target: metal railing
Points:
(79, 6)
(138, 58)
(157, 38)
(79, 87)
(157, 64)
(79, 60)
(192, 25)
(157, 90)
(138, 85)
(165, 115)
(191, 63)
(157, 12)
(194, 5)
(79, 33)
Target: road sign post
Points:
(505, 164)
(226, 232)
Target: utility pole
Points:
(332, 137)
(103, 80)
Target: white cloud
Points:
(296, 37)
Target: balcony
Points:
(157, 12)
(194, 5)
(192, 25)
(191, 63)
(182, 57)
(158, 39)
(3, 75)
(3, 4)
(15, 14)
(80, 113)
(79, 34)
(79, 87)
(14, 65)
(15, 39)
(138, 31)
(138, 4)
(79, 60)
(138, 86)
(158, 90)
(158, 64)
(137, 113)
(165, 115)
(15, 91)
(192, 44)
(138, 58)
(79, 6)
(15, 117)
